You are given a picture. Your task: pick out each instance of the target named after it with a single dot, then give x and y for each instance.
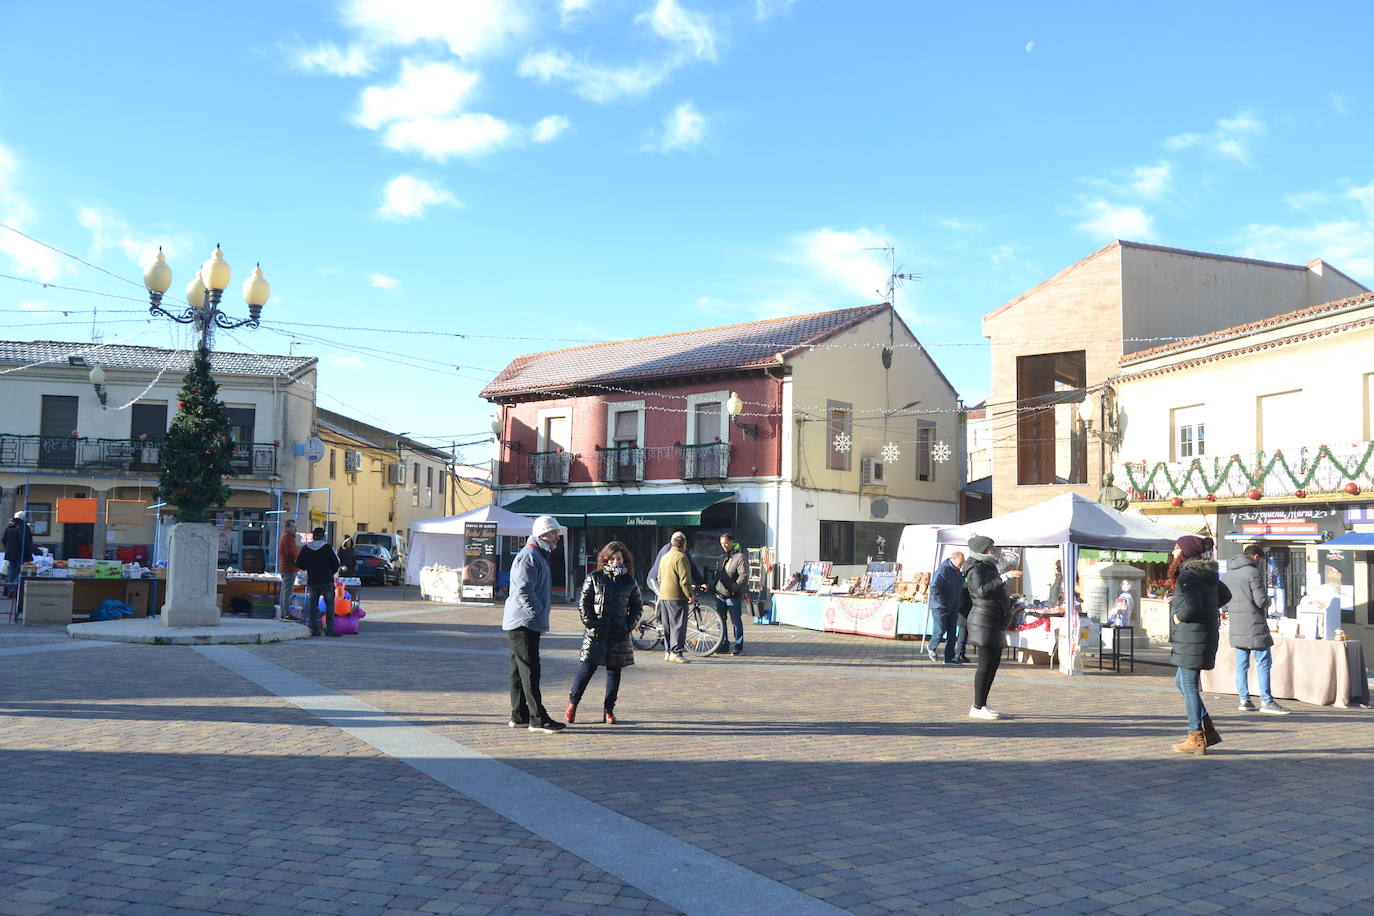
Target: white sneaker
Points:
(987, 712)
(667, 656)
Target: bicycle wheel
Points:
(704, 631)
(646, 634)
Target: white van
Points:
(394, 544)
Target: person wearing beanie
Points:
(17, 543)
(988, 619)
(1198, 596)
(526, 618)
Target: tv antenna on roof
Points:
(895, 280)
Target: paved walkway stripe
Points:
(61, 646)
(678, 873)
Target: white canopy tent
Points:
(439, 541)
(1068, 521)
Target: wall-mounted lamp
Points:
(734, 407)
(97, 378)
(498, 427)
(1087, 413)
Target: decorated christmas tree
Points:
(195, 454)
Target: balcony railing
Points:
(710, 461)
(624, 464)
(132, 456)
(550, 468)
(1282, 472)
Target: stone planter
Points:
(191, 569)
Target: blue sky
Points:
(573, 170)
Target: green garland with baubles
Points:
(1221, 472)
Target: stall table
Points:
(86, 595)
(263, 590)
(883, 616)
(1323, 672)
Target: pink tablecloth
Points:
(1323, 672)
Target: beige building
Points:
(1059, 340)
(374, 480)
(1259, 434)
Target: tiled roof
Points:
(1253, 327)
(738, 346)
(151, 359)
(373, 435)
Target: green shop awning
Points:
(631, 510)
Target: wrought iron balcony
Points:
(550, 468)
(1295, 472)
(623, 464)
(709, 461)
(130, 456)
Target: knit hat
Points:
(1193, 546)
(19, 515)
(545, 524)
(980, 544)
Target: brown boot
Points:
(1195, 743)
(1209, 731)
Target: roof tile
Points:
(152, 359)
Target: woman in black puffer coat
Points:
(988, 620)
(1199, 595)
(610, 608)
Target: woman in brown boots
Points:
(1198, 597)
(610, 608)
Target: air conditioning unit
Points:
(874, 472)
(353, 460)
(396, 474)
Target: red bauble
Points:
(1300, 494)
(1211, 497)
(1254, 493)
(1176, 502)
(181, 404)
(1352, 488)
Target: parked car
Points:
(375, 565)
(394, 544)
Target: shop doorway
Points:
(1286, 576)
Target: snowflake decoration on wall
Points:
(891, 453)
(941, 452)
(843, 442)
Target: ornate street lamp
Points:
(203, 295)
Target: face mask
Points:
(615, 571)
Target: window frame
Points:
(833, 533)
(925, 444)
(836, 460)
(707, 397)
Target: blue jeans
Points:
(1189, 681)
(734, 608)
(12, 578)
(1264, 660)
(945, 624)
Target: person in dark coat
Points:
(947, 596)
(1249, 627)
(610, 609)
(17, 542)
(732, 585)
(346, 554)
(320, 563)
(1199, 594)
(988, 619)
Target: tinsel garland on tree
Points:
(196, 452)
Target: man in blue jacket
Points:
(946, 603)
(526, 619)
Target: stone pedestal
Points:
(191, 568)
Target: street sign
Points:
(314, 449)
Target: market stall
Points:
(1324, 672)
(436, 559)
(1065, 524)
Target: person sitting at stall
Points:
(610, 609)
(988, 619)
(320, 563)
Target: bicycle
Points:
(704, 631)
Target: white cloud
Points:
(1107, 221)
(109, 231)
(469, 28)
(840, 258)
(332, 60)
(382, 281)
(595, 82)
(1231, 137)
(691, 30)
(569, 11)
(1150, 181)
(441, 139)
(407, 197)
(28, 258)
(767, 9)
(36, 305)
(1345, 238)
(421, 90)
(683, 128)
(1339, 104)
(548, 128)
(957, 225)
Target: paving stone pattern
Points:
(148, 779)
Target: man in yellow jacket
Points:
(674, 597)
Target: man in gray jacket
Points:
(525, 620)
(1247, 613)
